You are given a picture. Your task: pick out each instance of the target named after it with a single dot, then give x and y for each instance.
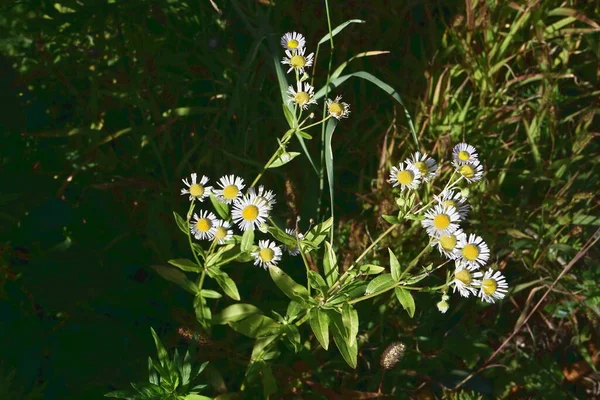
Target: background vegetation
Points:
(106, 105)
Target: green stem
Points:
(284, 141)
(364, 253)
(316, 123)
(303, 319)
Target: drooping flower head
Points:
(493, 286)
(249, 211)
(203, 225)
(267, 195)
(425, 164)
(293, 41)
(337, 108)
(297, 60)
(303, 97)
(268, 254)
(230, 188)
(406, 176)
(197, 189)
(441, 220)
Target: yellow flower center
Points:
(464, 155)
(196, 190)
(336, 109)
(292, 44)
(250, 212)
(405, 177)
(470, 252)
(449, 203)
(464, 276)
(298, 61)
(448, 242)
(220, 233)
(230, 192)
(421, 166)
(489, 286)
(266, 254)
(467, 171)
(441, 221)
(302, 98)
(203, 225)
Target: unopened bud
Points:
(392, 355)
(443, 306)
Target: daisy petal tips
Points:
(297, 60)
(293, 41)
(196, 189)
(268, 254)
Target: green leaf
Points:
(193, 396)
(282, 236)
(227, 284)
(247, 240)
(330, 267)
(304, 135)
(329, 129)
(319, 232)
(284, 159)
(220, 208)
(293, 310)
(317, 282)
(338, 29)
(293, 335)
(181, 223)
(288, 286)
(210, 294)
(391, 219)
(319, 323)
(185, 265)
(371, 269)
(380, 84)
(203, 312)
(289, 116)
(163, 356)
(235, 312)
(394, 266)
(268, 380)
(255, 326)
(176, 276)
(338, 71)
(349, 353)
(406, 299)
(350, 320)
(225, 254)
(381, 282)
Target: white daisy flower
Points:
(293, 251)
(448, 244)
(454, 199)
(493, 286)
(267, 195)
(231, 188)
(296, 60)
(441, 220)
(197, 190)
(408, 177)
(222, 231)
(473, 250)
(425, 164)
(293, 41)
(203, 225)
(249, 211)
(466, 280)
(337, 108)
(464, 153)
(268, 254)
(303, 97)
(471, 171)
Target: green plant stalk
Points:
(364, 253)
(189, 235)
(284, 141)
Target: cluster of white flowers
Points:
(302, 94)
(442, 223)
(249, 210)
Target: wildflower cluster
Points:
(442, 220)
(249, 211)
(302, 94)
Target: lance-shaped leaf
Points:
(319, 322)
(330, 267)
(181, 223)
(176, 276)
(318, 233)
(185, 265)
(255, 326)
(227, 284)
(288, 286)
(235, 312)
(406, 299)
(338, 29)
(394, 266)
(350, 320)
(221, 208)
(284, 159)
(349, 353)
(247, 240)
(382, 282)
